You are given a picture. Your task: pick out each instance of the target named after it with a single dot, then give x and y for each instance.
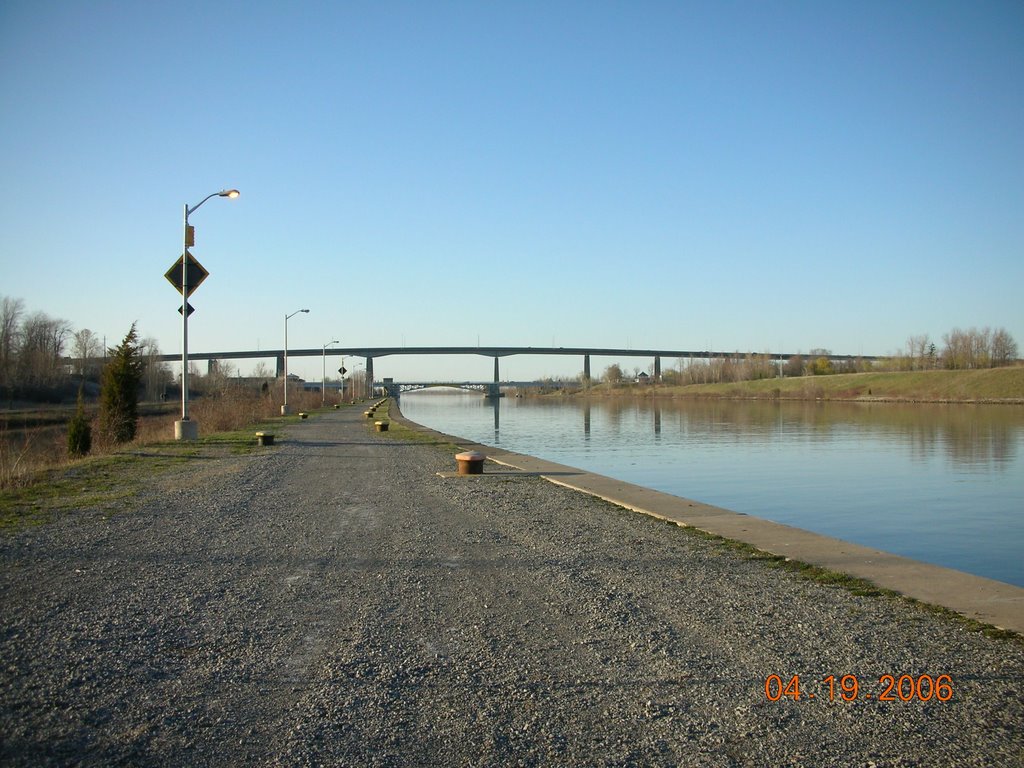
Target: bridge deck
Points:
(373, 352)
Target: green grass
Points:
(987, 385)
(243, 441)
(399, 431)
(101, 483)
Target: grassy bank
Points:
(992, 385)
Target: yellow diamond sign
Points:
(196, 273)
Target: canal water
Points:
(938, 483)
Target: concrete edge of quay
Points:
(975, 597)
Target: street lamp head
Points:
(304, 310)
(228, 193)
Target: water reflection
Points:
(981, 437)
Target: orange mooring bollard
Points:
(470, 462)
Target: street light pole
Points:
(284, 408)
(323, 375)
(341, 372)
(186, 429)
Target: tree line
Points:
(961, 350)
(33, 348)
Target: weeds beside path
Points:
(104, 481)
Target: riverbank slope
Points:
(990, 385)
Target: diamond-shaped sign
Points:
(191, 309)
(196, 273)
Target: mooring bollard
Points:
(264, 438)
(382, 426)
(470, 462)
(303, 415)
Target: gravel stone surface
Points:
(333, 601)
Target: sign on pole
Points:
(196, 273)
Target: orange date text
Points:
(850, 688)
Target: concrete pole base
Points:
(186, 430)
(285, 410)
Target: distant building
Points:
(316, 386)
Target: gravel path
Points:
(333, 601)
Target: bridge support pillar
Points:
(586, 369)
(369, 376)
(657, 368)
(494, 390)
(280, 366)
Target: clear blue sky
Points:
(726, 175)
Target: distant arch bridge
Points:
(396, 388)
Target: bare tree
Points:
(957, 350)
(85, 345)
(975, 348)
(218, 378)
(262, 371)
(1004, 348)
(917, 351)
(155, 374)
(10, 330)
(613, 374)
(358, 384)
(758, 367)
(42, 345)
(980, 347)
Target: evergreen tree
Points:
(79, 430)
(119, 390)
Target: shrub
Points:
(822, 367)
(79, 430)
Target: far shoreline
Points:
(993, 386)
